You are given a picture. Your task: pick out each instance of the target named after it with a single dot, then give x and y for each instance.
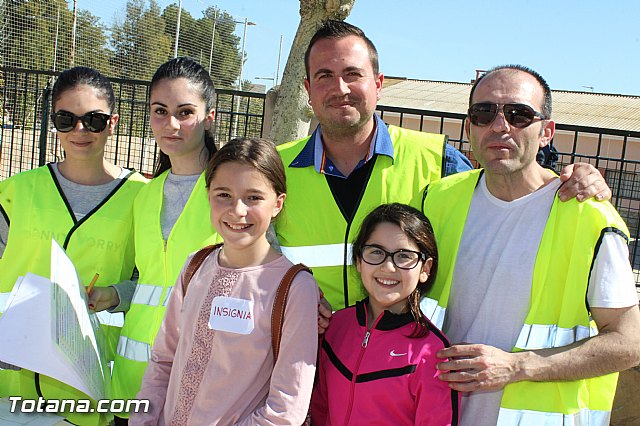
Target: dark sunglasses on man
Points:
(94, 122)
(518, 115)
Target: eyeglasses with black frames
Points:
(403, 259)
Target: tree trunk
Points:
(292, 113)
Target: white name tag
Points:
(231, 314)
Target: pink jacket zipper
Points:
(365, 343)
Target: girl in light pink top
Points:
(212, 362)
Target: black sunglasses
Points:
(94, 122)
(518, 115)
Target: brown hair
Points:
(417, 228)
(198, 78)
(78, 76)
(261, 154)
(335, 29)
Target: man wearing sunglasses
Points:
(354, 162)
(538, 294)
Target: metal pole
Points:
(244, 39)
(213, 35)
(55, 49)
(73, 41)
(175, 47)
(44, 124)
(275, 82)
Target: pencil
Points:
(92, 283)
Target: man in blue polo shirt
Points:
(353, 162)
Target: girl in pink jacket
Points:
(377, 363)
(212, 361)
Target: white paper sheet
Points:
(46, 328)
(74, 329)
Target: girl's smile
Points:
(389, 286)
(243, 203)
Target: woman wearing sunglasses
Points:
(84, 202)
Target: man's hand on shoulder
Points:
(324, 314)
(583, 181)
(472, 367)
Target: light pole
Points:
(213, 36)
(55, 48)
(244, 39)
(278, 68)
(175, 46)
(55, 45)
(73, 40)
(246, 22)
(274, 78)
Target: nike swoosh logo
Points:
(393, 353)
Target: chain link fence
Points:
(40, 38)
(54, 35)
(28, 139)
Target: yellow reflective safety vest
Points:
(159, 265)
(311, 228)
(558, 315)
(101, 242)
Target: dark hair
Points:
(417, 228)
(77, 76)
(336, 30)
(261, 154)
(199, 78)
(546, 105)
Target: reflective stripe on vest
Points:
(313, 229)
(585, 417)
(317, 256)
(147, 294)
(558, 315)
(541, 336)
(159, 262)
(433, 311)
(167, 296)
(4, 298)
(114, 319)
(134, 350)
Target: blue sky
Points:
(574, 44)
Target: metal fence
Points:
(27, 138)
(579, 144)
(130, 41)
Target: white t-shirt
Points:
(491, 287)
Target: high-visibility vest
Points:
(311, 228)
(101, 242)
(558, 315)
(159, 265)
